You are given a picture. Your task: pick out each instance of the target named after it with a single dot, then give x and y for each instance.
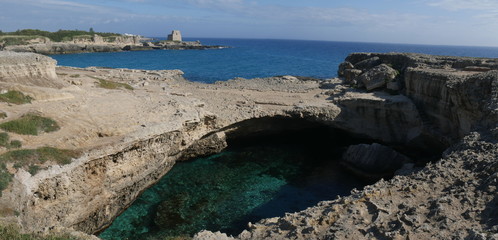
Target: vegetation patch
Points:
(16, 40)
(3, 115)
(8, 232)
(26, 157)
(74, 76)
(30, 124)
(15, 97)
(31, 160)
(4, 141)
(5, 178)
(59, 36)
(111, 84)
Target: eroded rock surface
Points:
(131, 138)
(28, 69)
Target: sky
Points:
(437, 22)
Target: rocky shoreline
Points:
(428, 103)
(47, 47)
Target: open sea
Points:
(251, 58)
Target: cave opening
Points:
(271, 166)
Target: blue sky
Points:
(440, 22)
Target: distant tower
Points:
(175, 36)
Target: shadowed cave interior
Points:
(271, 166)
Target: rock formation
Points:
(374, 159)
(131, 138)
(28, 69)
(96, 43)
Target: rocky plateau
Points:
(129, 139)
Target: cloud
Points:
(456, 5)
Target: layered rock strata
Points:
(28, 69)
(133, 137)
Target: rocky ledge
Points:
(51, 48)
(130, 138)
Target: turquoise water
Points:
(226, 191)
(250, 58)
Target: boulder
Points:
(374, 159)
(378, 77)
(350, 75)
(344, 66)
(368, 63)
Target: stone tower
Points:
(175, 36)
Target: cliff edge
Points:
(131, 127)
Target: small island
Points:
(77, 41)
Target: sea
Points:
(256, 58)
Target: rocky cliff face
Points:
(426, 102)
(88, 195)
(452, 95)
(28, 69)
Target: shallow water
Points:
(226, 191)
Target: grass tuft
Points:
(26, 157)
(4, 141)
(15, 144)
(30, 124)
(111, 84)
(15, 97)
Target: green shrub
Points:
(4, 139)
(15, 144)
(74, 75)
(33, 169)
(3, 115)
(15, 97)
(30, 124)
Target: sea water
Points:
(245, 183)
(251, 58)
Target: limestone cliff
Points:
(132, 137)
(28, 69)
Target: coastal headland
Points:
(68, 42)
(120, 130)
